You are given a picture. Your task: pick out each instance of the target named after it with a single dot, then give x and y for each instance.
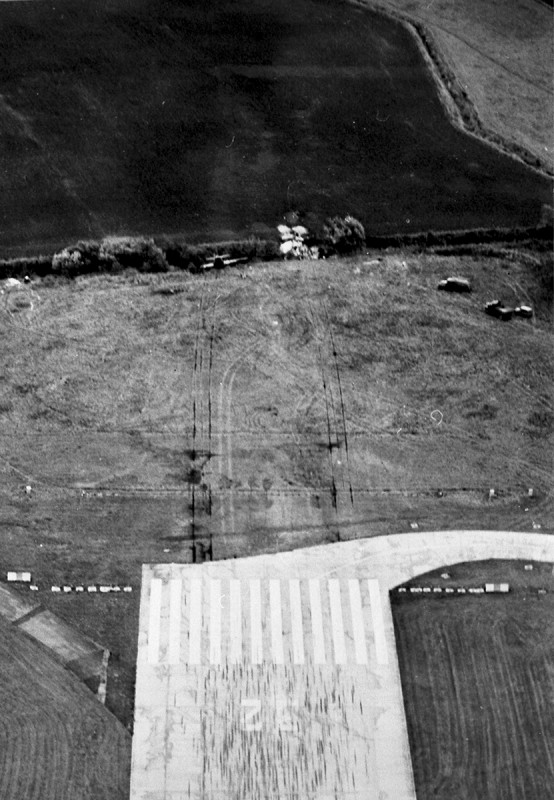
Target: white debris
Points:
(24, 577)
(28, 490)
(414, 525)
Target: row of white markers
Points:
(254, 621)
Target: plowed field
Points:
(212, 119)
(478, 681)
(57, 742)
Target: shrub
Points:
(343, 234)
(143, 255)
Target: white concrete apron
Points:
(276, 676)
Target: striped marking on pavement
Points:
(297, 630)
(154, 621)
(337, 627)
(235, 621)
(277, 652)
(175, 588)
(358, 628)
(378, 622)
(195, 624)
(215, 622)
(319, 621)
(256, 635)
(318, 638)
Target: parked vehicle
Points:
(496, 309)
(455, 284)
(523, 311)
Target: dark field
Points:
(477, 676)
(56, 741)
(214, 119)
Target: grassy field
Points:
(500, 51)
(212, 120)
(478, 675)
(258, 410)
(56, 741)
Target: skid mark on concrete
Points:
(287, 684)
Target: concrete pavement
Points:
(276, 676)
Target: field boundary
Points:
(46, 629)
(459, 108)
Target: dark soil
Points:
(477, 676)
(214, 119)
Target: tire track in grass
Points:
(341, 399)
(329, 433)
(225, 436)
(210, 444)
(330, 443)
(196, 368)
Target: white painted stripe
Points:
(195, 621)
(215, 622)
(296, 621)
(378, 623)
(357, 621)
(154, 620)
(175, 586)
(235, 621)
(337, 627)
(256, 641)
(276, 622)
(318, 638)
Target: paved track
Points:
(276, 676)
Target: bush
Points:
(343, 234)
(191, 257)
(143, 255)
(109, 255)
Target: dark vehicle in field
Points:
(496, 309)
(523, 311)
(455, 284)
